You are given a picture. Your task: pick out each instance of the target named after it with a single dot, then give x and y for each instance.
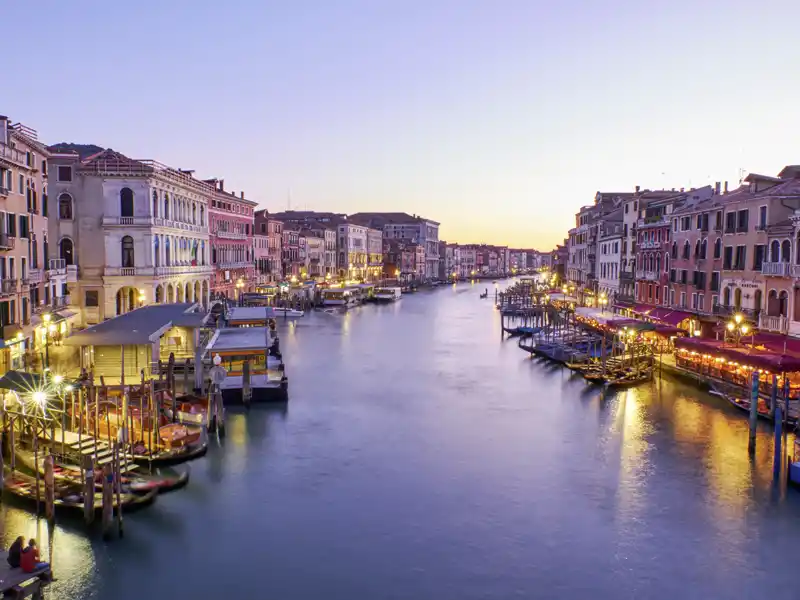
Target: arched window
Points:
(155, 203)
(202, 247)
(156, 252)
(126, 202)
(703, 248)
(202, 216)
(666, 261)
(194, 213)
(167, 257)
(166, 205)
(674, 249)
(66, 251)
(717, 247)
(775, 251)
(757, 301)
(737, 298)
(658, 263)
(127, 252)
(726, 296)
(783, 303)
(786, 251)
(686, 249)
(65, 206)
(697, 248)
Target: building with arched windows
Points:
(231, 229)
(129, 232)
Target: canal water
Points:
(422, 457)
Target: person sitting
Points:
(15, 551)
(30, 558)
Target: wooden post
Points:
(211, 412)
(118, 485)
(11, 444)
(108, 499)
(186, 376)
(773, 399)
(247, 390)
(49, 489)
(751, 444)
(2, 466)
(88, 488)
(220, 411)
(171, 384)
(36, 465)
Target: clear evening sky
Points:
(498, 118)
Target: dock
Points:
(15, 583)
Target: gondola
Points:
(514, 331)
(629, 379)
(133, 480)
(173, 456)
(68, 496)
(743, 404)
(484, 295)
(191, 410)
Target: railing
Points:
(649, 245)
(179, 269)
(57, 266)
(35, 276)
(56, 303)
(773, 323)
(8, 286)
(722, 310)
(777, 269)
(761, 227)
(158, 222)
(72, 273)
(127, 221)
(4, 191)
(231, 235)
(234, 265)
(649, 275)
(7, 242)
(145, 168)
(13, 155)
(127, 271)
(653, 220)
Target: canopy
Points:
(20, 381)
(762, 359)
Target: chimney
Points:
(3, 129)
(716, 188)
(221, 185)
(726, 187)
(682, 190)
(241, 195)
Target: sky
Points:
(497, 118)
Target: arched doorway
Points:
(726, 297)
(126, 202)
(170, 294)
(180, 293)
(205, 292)
(197, 296)
(159, 294)
(757, 299)
(737, 298)
(188, 292)
(65, 251)
(126, 300)
(772, 304)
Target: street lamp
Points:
(603, 301)
(737, 328)
(239, 286)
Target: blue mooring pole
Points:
(778, 416)
(751, 444)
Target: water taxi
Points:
(340, 297)
(387, 294)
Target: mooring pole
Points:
(751, 444)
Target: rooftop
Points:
(144, 325)
(240, 338)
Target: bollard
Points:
(118, 488)
(88, 489)
(49, 488)
(108, 500)
(776, 460)
(751, 444)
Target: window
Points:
(715, 281)
(683, 299)
(65, 250)
(672, 275)
(674, 224)
(718, 248)
(727, 261)
(743, 219)
(64, 174)
(694, 301)
(672, 297)
(740, 257)
(674, 249)
(700, 298)
(11, 223)
(686, 249)
(786, 251)
(762, 217)
(730, 222)
(91, 298)
(703, 248)
(23, 226)
(684, 275)
(127, 252)
(65, 207)
(21, 184)
(699, 221)
(758, 257)
(126, 202)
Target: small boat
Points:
(69, 496)
(484, 295)
(629, 379)
(179, 443)
(512, 331)
(594, 377)
(190, 409)
(133, 479)
(387, 294)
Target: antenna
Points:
(289, 199)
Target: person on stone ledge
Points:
(15, 552)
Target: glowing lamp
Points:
(40, 398)
(217, 360)
(731, 326)
(58, 378)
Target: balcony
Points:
(8, 286)
(7, 242)
(13, 156)
(127, 221)
(234, 265)
(761, 227)
(648, 275)
(231, 235)
(650, 245)
(72, 273)
(777, 324)
(55, 304)
(727, 311)
(653, 220)
(127, 271)
(178, 225)
(35, 276)
(187, 269)
(56, 266)
(626, 276)
(776, 269)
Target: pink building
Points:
(231, 228)
(271, 228)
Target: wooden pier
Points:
(17, 584)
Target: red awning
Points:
(775, 342)
(643, 308)
(674, 317)
(762, 359)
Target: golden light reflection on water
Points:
(633, 429)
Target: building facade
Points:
(231, 229)
(129, 232)
(352, 248)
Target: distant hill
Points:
(82, 150)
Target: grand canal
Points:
(421, 457)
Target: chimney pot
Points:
(716, 188)
(726, 187)
(241, 195)
(637, 189)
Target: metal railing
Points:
(57, 266)
(13, 155)
(231, 235)
(8, 286)
(649, 245)
(7, 242)
(35, 276)
(776, 269)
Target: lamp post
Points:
(239, 286)
(46, 318)
(603, 301)
(737, 328)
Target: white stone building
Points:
(135, 231)
(352, 248)
(609, 260)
